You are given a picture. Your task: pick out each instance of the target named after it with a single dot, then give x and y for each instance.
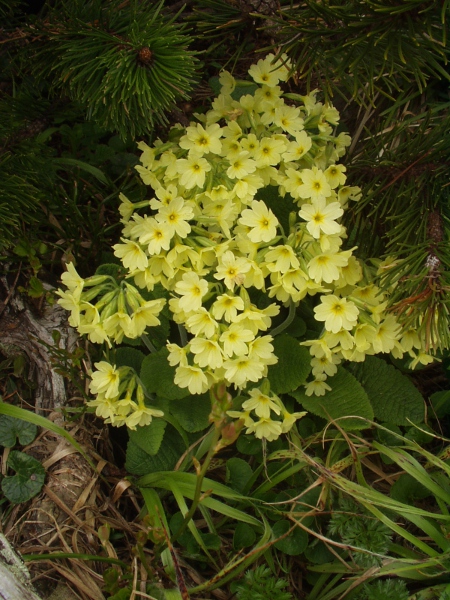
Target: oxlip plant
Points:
(243, 228)
(237, 304)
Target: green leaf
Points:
(74, 162)
(347, 398)
(293, 366)
(192, 413)
(440, 403)
(36, 288)
(244, 536)
(113, 270)
(407, 489)
(393, 396)
(239, 473)
(158, 376)
(129, 357)
(139, 462)
(150, 437)
(28, 480)
(31, 417)
(318, 554)
(248, 444)
(12, 429)
(293, 544)
(211, 541)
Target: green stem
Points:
(198, 487)
(147, 343)
(183, 335)
(285, 324)
(55, 555)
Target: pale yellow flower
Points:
(240, 166)
(192, 378)
(326, 267)
(261, 348)
(243, 369)
(266, 429)
(176, 215)
(232, 269)
(146, 316)
(288, 119)
(261, 220)
(318, 387)
(131, 254)
(315, 184)
(177, 355)
(338, 313)
(250, 144)
(105, 380)
(207, 353)
(268, 72)
(383, 337)
(72, 280)
(227, 306)
(142, 416)
(281, 259)
(126, 208)
(298, 148)
(192, 171)
(192, 289)
(261, 403)
(335, 175)
(227, 82)
(202, 323)
(200, 141)
(321, 217)
(269, 151)
(235, 340)
(156, 235)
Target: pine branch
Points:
(125, 62)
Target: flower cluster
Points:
(229, 258)
(264, 414)
(115, 390)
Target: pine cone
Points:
(144, 56)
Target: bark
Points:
(14, 578)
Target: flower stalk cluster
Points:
(226, 262)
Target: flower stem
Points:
(147, 343)
(285, 324)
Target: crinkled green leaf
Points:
(12, 429)
(158, 377)
(293, 365)
(347, 398)
(139, 462)
(28, 480)
(393, 396)
(129, 357)
(150, 437)
(192, 413)
(239, 473)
